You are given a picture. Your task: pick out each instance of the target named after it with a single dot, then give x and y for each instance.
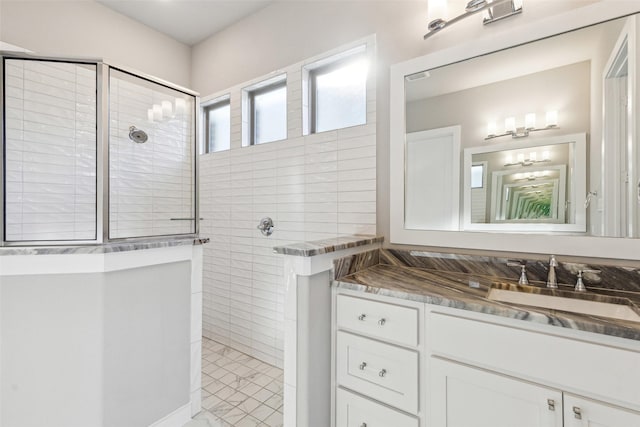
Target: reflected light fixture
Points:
(495, 10)
(511, 129)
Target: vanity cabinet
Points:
(377, 363)
(403, 363)
(462, 396)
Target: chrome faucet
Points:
(552, 280)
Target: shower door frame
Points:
(102, 153)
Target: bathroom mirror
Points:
(513, 102)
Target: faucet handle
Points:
(579, 283)
(523, 280)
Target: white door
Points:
(582, 412)
(432, 180)
(461, 396)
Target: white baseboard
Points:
(177, 418)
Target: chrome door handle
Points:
(577, 412)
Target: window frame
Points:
(326, 68)
(216, 103)
(251, 95)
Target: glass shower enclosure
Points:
(93, 153)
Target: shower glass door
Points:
(151, 158)
(49, 161)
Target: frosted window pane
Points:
(219, 127)
(341, 97)
(477, 175)
(270, 115)
(151, 185)
(50, 150)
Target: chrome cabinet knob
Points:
(577, 412)
(382, 321)
(363, 365)
(362, 317)
(363, 425)
(382, 373)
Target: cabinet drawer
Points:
(382, 371)
(355, 411)
(378, 319)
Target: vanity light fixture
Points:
(514, 131)
(521, 160)
(166, 111)
(495, 10)
(531, 176)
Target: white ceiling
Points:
(188, 21)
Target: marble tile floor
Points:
(237, 390)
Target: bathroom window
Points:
(477, 176)
(336, 91)
(217, 119)
(266, 105)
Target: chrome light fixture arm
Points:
(496, 9)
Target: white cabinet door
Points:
(355, 411)
(461, 396)
(581, 412)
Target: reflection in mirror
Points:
(530, 186)
(508, 106)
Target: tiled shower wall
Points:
(313, 187)
(150, 184)
(50, 126)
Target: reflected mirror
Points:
(538, 138)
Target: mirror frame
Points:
(588, 246)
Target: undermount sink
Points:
(576, 302)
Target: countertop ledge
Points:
(103, 248)
(468, 292)
(319, 247)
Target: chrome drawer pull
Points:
(362, 317)
(382, 321)
(577, 412)
(551, 404)
(382, 373)
(363, 425)
(363, 365)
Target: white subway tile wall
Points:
(151, 184)
(50, 157)
(313, 187)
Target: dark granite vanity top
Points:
(104, 248)
(381, 273)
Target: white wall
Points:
(286, 32)
(313, 187)
(88, 29)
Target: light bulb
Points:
(530, 121)
(510, 124)
(552, 118)
(492, 129)
(533, 156)
(437, 9)
(167, 109)
(520, 157)
(181, 106)
(509, 160)
(546, 155)
(157, 112)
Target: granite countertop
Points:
(319, 247)
(468, 292)
(103, 248)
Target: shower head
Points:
(137, 135)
